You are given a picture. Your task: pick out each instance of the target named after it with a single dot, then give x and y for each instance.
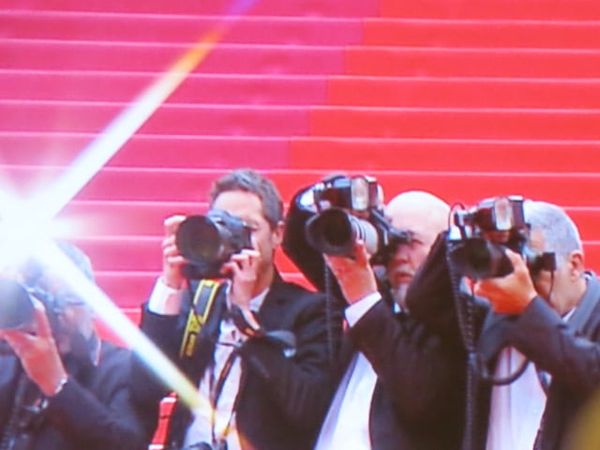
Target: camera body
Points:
(485, 231)
(349, 208)
(16, 305)
(17, 310)
(207, 242)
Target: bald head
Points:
(420, 212)
(425, 216)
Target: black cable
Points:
(12, 429)
(465, 319)
(329, 313)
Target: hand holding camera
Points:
(37, 351)
(243, 268)
(354, 275)
(510, 294)
(172, 259)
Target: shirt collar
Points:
(255, 302)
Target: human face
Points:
(409, 257)
(564, 287)
(75, 318)
(249, 208)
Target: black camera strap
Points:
(202, 305)
(216, 389)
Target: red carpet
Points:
(467, 99)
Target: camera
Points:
(349, 208)
(17, 310)
(485, 231)
(16, 305)
(207, 242)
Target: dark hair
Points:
(248, 180)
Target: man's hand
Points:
(38, 352)
(172, 259)
(355, 276)
(243, 268)
(510, 294)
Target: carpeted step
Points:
(198, 88)
(472, 62)
(189, 185)
(473, 123)
(489, 33)
(362, 8)
(479, 92)
(36, 54)
(505, 9)
(177, 28)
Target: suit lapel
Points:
(270, 313)
(582, 315)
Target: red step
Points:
(309, 8)
(456, 123)
(179, 185)
(472, 62)
(186, 119)
(197, 88)
(312, 153)
(307, 90)
(28, 54)
(373, 154)
(461, 32)
(251, 120)
(157, 27)
(58, 149)
(495, 9)
(464, 92)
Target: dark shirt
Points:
(93, 411)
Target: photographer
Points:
(396, 385)
(260, 356)
(549, 317)
(61, 387)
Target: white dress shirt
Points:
(165, 300)
(346, 426)
(516, 409)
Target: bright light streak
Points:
(53, 258)
(25, 234)
(126, 124)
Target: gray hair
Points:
(559, 232)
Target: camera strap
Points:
(216, 389)
(202, 305)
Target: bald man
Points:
(397, 385)
(424, 215)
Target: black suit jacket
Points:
(417, 399)
(570, 351)
(93, 411)
(281, 400)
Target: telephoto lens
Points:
(334, 232)
(16, 306)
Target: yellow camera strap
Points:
(202, 305)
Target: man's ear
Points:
(576, 264)
(277, 233)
